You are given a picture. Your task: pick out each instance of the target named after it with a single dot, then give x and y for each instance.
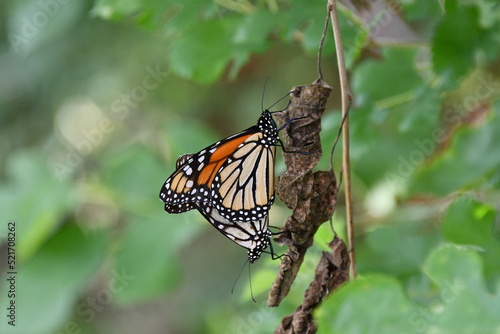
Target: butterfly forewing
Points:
(192, 180)
(244, 188)
(234, 175)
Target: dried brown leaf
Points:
(311, 195)
(331, 271)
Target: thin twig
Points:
(320, 49)
(346, 105)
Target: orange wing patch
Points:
(207, 174)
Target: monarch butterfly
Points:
(235, 176)
(254, 236)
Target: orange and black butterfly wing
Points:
(236, 175)
(243, 189)
(191, 182)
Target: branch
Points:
(346, 105)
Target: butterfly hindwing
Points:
(180, 190)
(254, 236)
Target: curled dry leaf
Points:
(311, 195)
(331, 271)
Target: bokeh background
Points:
(98, 98)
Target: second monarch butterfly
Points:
(254, 236)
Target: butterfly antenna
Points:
(239, 274)
(281, 99)
(263, 94)
(275, 103)
(250, 281)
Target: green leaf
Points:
(457, 39)
(50, 283)
(394, 75)
(205, 39)
(471, 157)
(369, 304)
(116, 10)
(147, 13)
(463, 304)
(450, 263)
(252, 33)
(469, 222)
(421, 114)
(490, 15)
(199, 53)
(450, 6)
(421, 10)
(377, 304)
(35, 199)
(377, 156)
(410, 244)
(133, 192)
(149, 254)
(181, 141)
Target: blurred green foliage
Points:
(99, 99)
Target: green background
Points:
(98, 99)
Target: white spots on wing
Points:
(188, 170)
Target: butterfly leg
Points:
(279, 143)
